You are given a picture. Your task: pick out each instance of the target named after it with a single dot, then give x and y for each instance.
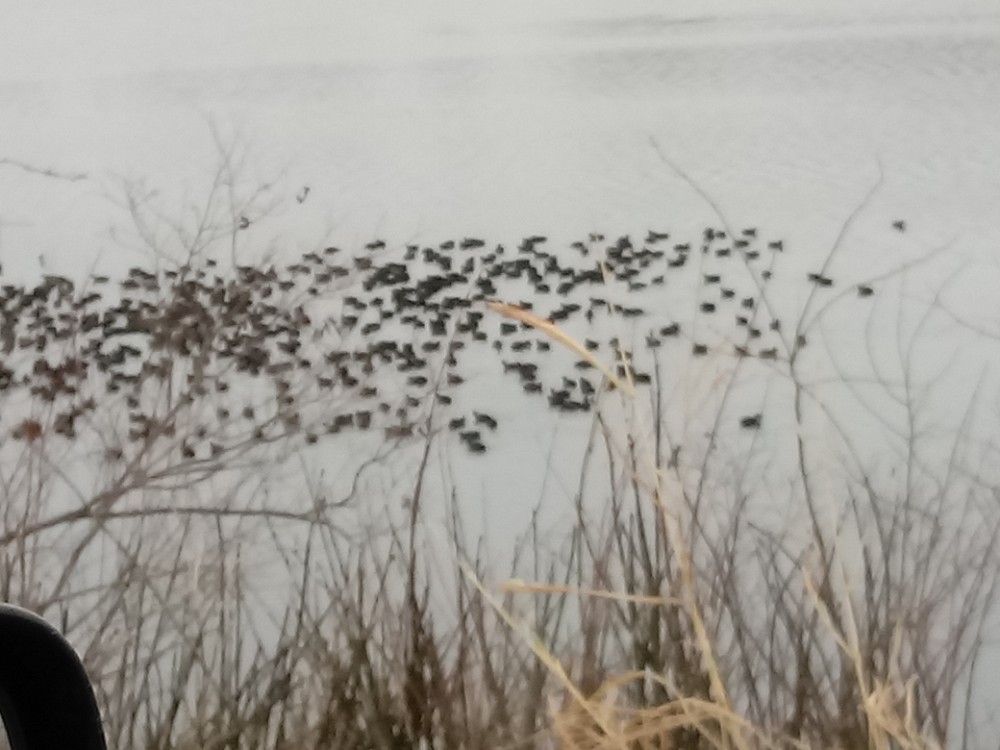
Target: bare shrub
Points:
(203, 468)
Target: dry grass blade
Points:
(553, 331)
(889, 727)
(517, 586)
(653, 727)
(541, 651)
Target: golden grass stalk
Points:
(690, 603)
(557, 334)
(542, 653)
(887, 727)
(517, 586)
(652, 727)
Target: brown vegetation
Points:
(162, 505)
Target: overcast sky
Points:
(58, 40)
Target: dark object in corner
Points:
(46, 700)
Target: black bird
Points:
(899, 225)
(707, 307)
(751, 423)
(865, 291)
(675, 454)
(820, 279)
(699, 350)
(485, 419)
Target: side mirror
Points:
(46, 700)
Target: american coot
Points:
(46, 700)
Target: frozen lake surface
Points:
(546, 127)
(423, 127)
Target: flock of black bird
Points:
(369, 340)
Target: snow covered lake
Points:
(448, 122)
(424, 126)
